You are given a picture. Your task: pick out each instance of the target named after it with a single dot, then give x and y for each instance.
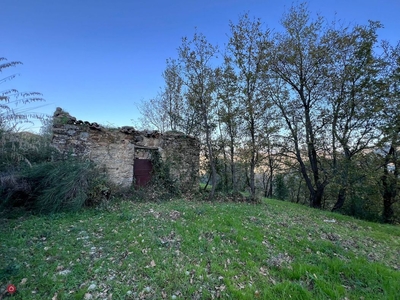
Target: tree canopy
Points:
(311, 109)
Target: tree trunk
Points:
(318, 192)
(233, 170)
(253, 160)
(212, 165)
(226, 171)
(252, 181)
(298, 192)
(340, 199)
(389, 182)
(316, 199)
(265, 184)
(208, 181)
(270, 181)
(388, 213)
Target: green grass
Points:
(199, 250)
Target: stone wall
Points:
(115, 150)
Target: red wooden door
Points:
(142, 171)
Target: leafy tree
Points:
(229, 117)
(390, 125)
(199, 79)
(174, 103)
(169, 110)
(353, 93)
(249, 46)
(298, 64)
(154, 114)
(316, 103)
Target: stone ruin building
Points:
(126, 154)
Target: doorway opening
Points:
(142, 166)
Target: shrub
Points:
(281, 190)
(162, 175)
(14, 190)
(163, 185)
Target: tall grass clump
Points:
(18, 149)
(64, 185)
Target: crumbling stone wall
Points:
(115, 150)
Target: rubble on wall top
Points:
(62, 118)
(65, 118)
(146, 133)
(127, 129)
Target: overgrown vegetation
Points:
(163, 186)
(334, 146)
(32, 176)
(186, 249)
(51, 187)
(313, 103)
(162, 176)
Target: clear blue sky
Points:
(98, 59)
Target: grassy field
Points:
(199, 250)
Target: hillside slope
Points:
(198, 250)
